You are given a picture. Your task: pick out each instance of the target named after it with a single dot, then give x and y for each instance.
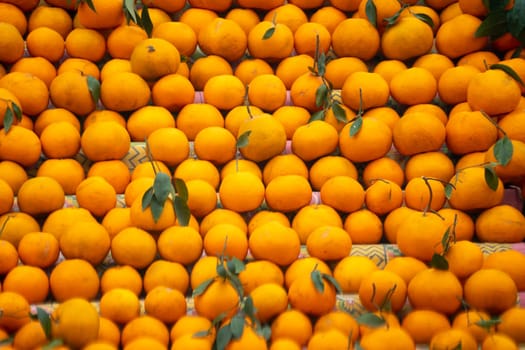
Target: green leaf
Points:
(507, 70)
(488, 324)
(321, 95)
(503, 150)
(202, 334)
(244, 139)
(371, 320)
(321, 64)
(53, 344)
(319, 115)
(129, 9)
(356, 126)
(446, 238)
(339, 112)
(94, 88)
(235, 265)
(237, 326)
(91, 5)
(182, 211)
(146, 22)
(390, 21)
(17, 110)
(224, 336)
(156, 207)
(439, 262)
(516, 18)
(491, 178)
(371, 12)
(7, 341)
(248, 306)
(146, 198)
(221, 271)
(330, 279)
(162, 186)
(317, 280)
(494, 5)
(45, 321)
(201, 288)
(448, 190)
(517, 52)
(9, 118)
(181, 189)
(265, 331)
(425, 18)
(494, 25)
(269, 33)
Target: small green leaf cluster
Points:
(143, 20)
(501, 20)
(371, 14)
(12, 112)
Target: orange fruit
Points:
(226, 239)
(264, 216)
(471, 191)
(60, 220)
(432, 284)
(330, 16)
(345, 45)
(206, 67)
(108, 14)
(191, 168)
(383, 196)
(366, 89)
(121, 40)
(15, 311)
(312, 216)
(386, 168)
(119, 305)
(509, 123)
(259, 272)
(315, 131)
(267, 91)
(38, 66)
(507, 261)
(274, 242)
(380, 285)
(223, 37)
(40, 249)
(96, 195)
(246, 183)
(30, 336)
(168, 145)
(68, 84)
(431, 108)
(468, 320)
(144, 120)
(85, 240)
(499, 341)
(202, 197)
(185, 41)
(52, 115)
(405, 267)
(321, 242)
(29, 281)
(249, 68)
(19, 83)
(494, 92)
(464, 258)
(215, 144)
(453, 337)
(306, 37)
(7, 197)
(219, 297)
(292, 324)
(329, 166)
(270, 300)
(235, 165)
(434, 164)
(173, 91)
(514, 169)
(284, 164)
(182, 244)
(105, 140)
(453, 83)
(343, 193)
(267, 138)
(490, 290)
(395, 42)
(222, 215)
(372, 141)
(60, 140)
(116, 91)
(14, 15)
(305, 296)
(511, 323)
(303, 266)
(422, 193)
(394, 336)
(224, 91)
(121, 276)
(288, 193)
(40, 195)
(435, 63)
(154, 58)
(291, 67)
(413, 85)
(188, 325)
(271, 47)
(76, 45)
(116, 172)
(388, 68)
(166, 273)
(455, 37)
(209, 115)
(338, 320)
(52, 17)
(364, 227)
(500, 223)
(12, 43)
(464, 229)
(479, 59)
(246, 18)
(338, 69)
(303, 91)
(15, 225)
(330, 337)
(145, 220)
(418, 132)
(237, 115)
(133, 246)
(72, 278)
(392, 221)
(81, 65)
(149, 169)
(165, 304)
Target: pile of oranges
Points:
(277, 136)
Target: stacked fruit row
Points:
(202, 170)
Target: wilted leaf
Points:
(439, 262)
(237, 326)
(201, 288)
(371, 12)
(356, 126)
(94, 88)
(371, 320)
(182, 211)
(224, 336)
(146, 22)
(425, 18)
(146, 198)
(317, 280)
(491, 178)
(244, 139)
(511, 72)
(268, 33)
(45, 321)
(321, 95)
(330, 279)
(494, 25)
(162, 186)
(339, 112)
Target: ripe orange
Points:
(291, 67)
(284, 164)
(246, 18)
(60, 140)
(345, 45)
(512, 323)
(192, 168)
(418, 132)
(364, 226)
(315, 131)
(395, 41)
(312, 216)
(372, 141)
(267, 137)
(219, 297)
(223, 37)
(53, 51)
(121, 276)
(467, 320)
(144, 120)
(288, 193)
(40, 249)
(72, 278)
(464, 222)
(267, 91)
(500, 223)
(77, 47)
(303, 91)
(224, 91)
(133, 246)
(12, 43)
(329, 243)
(452, 337)
(105, 140)
(166, 273)
(215, 144)
(96, 195)
(464, 258)
(258, 272)
(249, 68)
(119, 305)
(16, 225)
(434, 164)
(251, 187)
(413, 85)
(329, 166)
(31, 282)
(40, 195)
(490, 290)
(421, 193)
(306, 37)
(343, 193)
(454, 37)
(405, 267)
(292, 324)
(85, 240)
(394, 336)
(270, 300)
(165, 304)
(209, 115)
(453, 83)
(226, 239)
(274, 242)
(38, 66)
(124, 91)
(304, 296)
(386, 168)
(383, 196)
(274, 48)
(30, 336)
